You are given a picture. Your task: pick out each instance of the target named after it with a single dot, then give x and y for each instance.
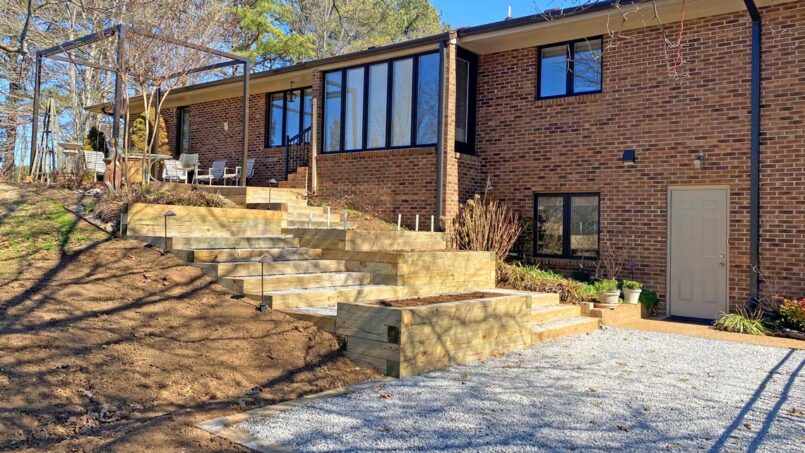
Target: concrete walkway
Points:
(614, 389)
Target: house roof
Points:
(551, 26)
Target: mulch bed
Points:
(420, 301)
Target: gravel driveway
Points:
(613, 389)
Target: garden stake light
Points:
(328, 217)
(167, 214)
(431, 223)
(346, 225)
(271, 182)
(416, 223)
(262, 308)
(399, 221)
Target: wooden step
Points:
(557, 329)
(321, 317)
(550, 313)
(335, 223)
(234, 242)
(246, 254)
(251, 268)
(251, 285)
(537, 299)
(317, 297)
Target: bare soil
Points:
(106, 345)
(420, 301)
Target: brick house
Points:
(584, 123)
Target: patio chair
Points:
(239, 171)
(172, 171)
(188, 163)
(215, 173)
(95, 163)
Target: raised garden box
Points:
(414, 336)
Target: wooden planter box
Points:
(413, 340)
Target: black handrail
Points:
(297, 151)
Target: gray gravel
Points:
(613, 389)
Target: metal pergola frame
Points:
(120, 31)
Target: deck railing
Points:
(297, 151)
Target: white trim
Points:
(671, 189)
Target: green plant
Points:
(483, 223)
(742, 321)
(792, 314)
(631, 284)
(649, 300)
(609, 285)
(532, 278)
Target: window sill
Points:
(573, 98)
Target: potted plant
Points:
(631, 291)
(608, 292)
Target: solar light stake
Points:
(310, 219)
(416, 223)
(271, 182)
(328, 217)
(399, 221)
(263, 307)
(346, 225)
(167, 214)
(431, 223)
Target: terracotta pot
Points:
(632, 296)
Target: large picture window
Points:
(570, 68)
(287, 114)
(183, 131)
(391, 104)
(566, 225)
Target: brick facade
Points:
(574, 144)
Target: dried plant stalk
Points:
(485, 224)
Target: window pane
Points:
(307, 101)
(587, 66)
(185, 131)
(584, 225)
(553, 71)
(275, 120)
(427, 101)
(332, 111)
(401, 102)
(378, 100)
(293, 105)
(353, 121)
(462, 99)
(550, 218)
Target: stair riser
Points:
(233, 242)
(334, 223)
(328, 298)
(563, 331)
(302, 281)
(223, 256)
(561, 312)
(280, 267)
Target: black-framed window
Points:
(287, 114)
(466, 100)
(381, 105)
(183, 131)
(570, 68)
(566, 225)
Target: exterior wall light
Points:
(698, 160)
(629, 158)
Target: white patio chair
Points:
(239, 171)
(188, 163)
(95, 163)
(215, 173)
(172, 171)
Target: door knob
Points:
(721, 260)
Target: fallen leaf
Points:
(386, 396)
(624, 428)
(748, 426)
(592, 389)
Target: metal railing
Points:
(297, 151)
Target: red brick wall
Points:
(575, 144)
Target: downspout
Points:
(754, 176)
(440, 137)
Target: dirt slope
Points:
(107, 345)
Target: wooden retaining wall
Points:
(336, 239)
(148, 220)
(413, 340)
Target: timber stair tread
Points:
(279, 266)
(547, 313)
(253, 254)
(328, 296)
(271, 283)
(563, 327)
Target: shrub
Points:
(631, 284)
(111, 204)
(649, 299)
(609, 285)
(532, 278)
(792, 314)
(483, 223)
(742, 321)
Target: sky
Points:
(464, 13)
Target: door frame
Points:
(680, 188)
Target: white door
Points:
(697, 252)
